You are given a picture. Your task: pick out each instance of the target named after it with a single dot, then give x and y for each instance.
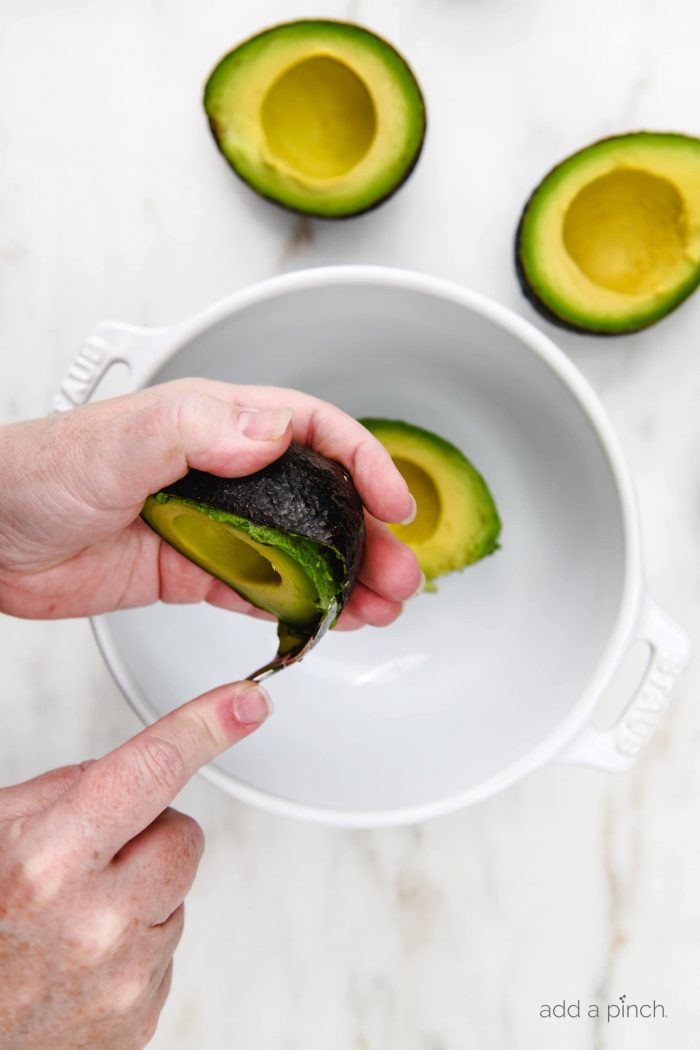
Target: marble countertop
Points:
(570, 886)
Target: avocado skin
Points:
(302, 493)
(309, 212)
(531, 295)
(529, 292)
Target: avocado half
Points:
(456, 522)
(289, 538)
(609, 242)
(321, 117)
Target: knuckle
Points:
(177, 871)
(399, 573)
(42, 880)
(128, 992)
(198, 419)
(385, 614)
(190, 835)
(32, 874)
(158, 763)
(176, 925)
(181, 845)
(178, 919)
(204, 728)
(407, 574)
(99, 934)
(149, 422)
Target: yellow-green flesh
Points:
(610, 240)
(318, 118)
(323, 117)
(265, 575)
(456, 520)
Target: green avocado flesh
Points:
(456, 521)
(289, 576)
(288, 538)
(322, 117)
(609, 242)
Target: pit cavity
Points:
(216, 548)
(318, 118)
(427, 499)
(627, 231)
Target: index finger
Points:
(332, 432)
(121, 794)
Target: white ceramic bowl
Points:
(498, 673)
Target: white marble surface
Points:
(116, 204)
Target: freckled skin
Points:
(94, 864)
(93, 895)
(71, 539)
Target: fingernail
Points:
(412, 516)
(252, 704)
(421, 586)
(264, 424)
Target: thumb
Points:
(121, 794)
(127, 450)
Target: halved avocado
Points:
(456, 520)
(324, 118)
(288, 538)
(609, 242)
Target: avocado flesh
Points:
(288, 538)
(322, 117)
(609, 241)
(456, 522)
(261, 571)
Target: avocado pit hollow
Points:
(318, 118)
(627, 231)
(428, 502)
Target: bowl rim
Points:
(172, 340)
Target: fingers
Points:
(22, 800)
(382, 488)
(371, 608)
(160, 864)
(170, 934)
(166, 939)
(160, 942)
(389, 575)
(333, 433)
(150, 1023)
(122, 793)
(135, 446)
(389, 567)
(323, 426)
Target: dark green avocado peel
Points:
(289, 538)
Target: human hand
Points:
(72, 542)
(93, 872)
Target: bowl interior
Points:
(470, 679)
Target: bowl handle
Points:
(618, 748)
(109, 344)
